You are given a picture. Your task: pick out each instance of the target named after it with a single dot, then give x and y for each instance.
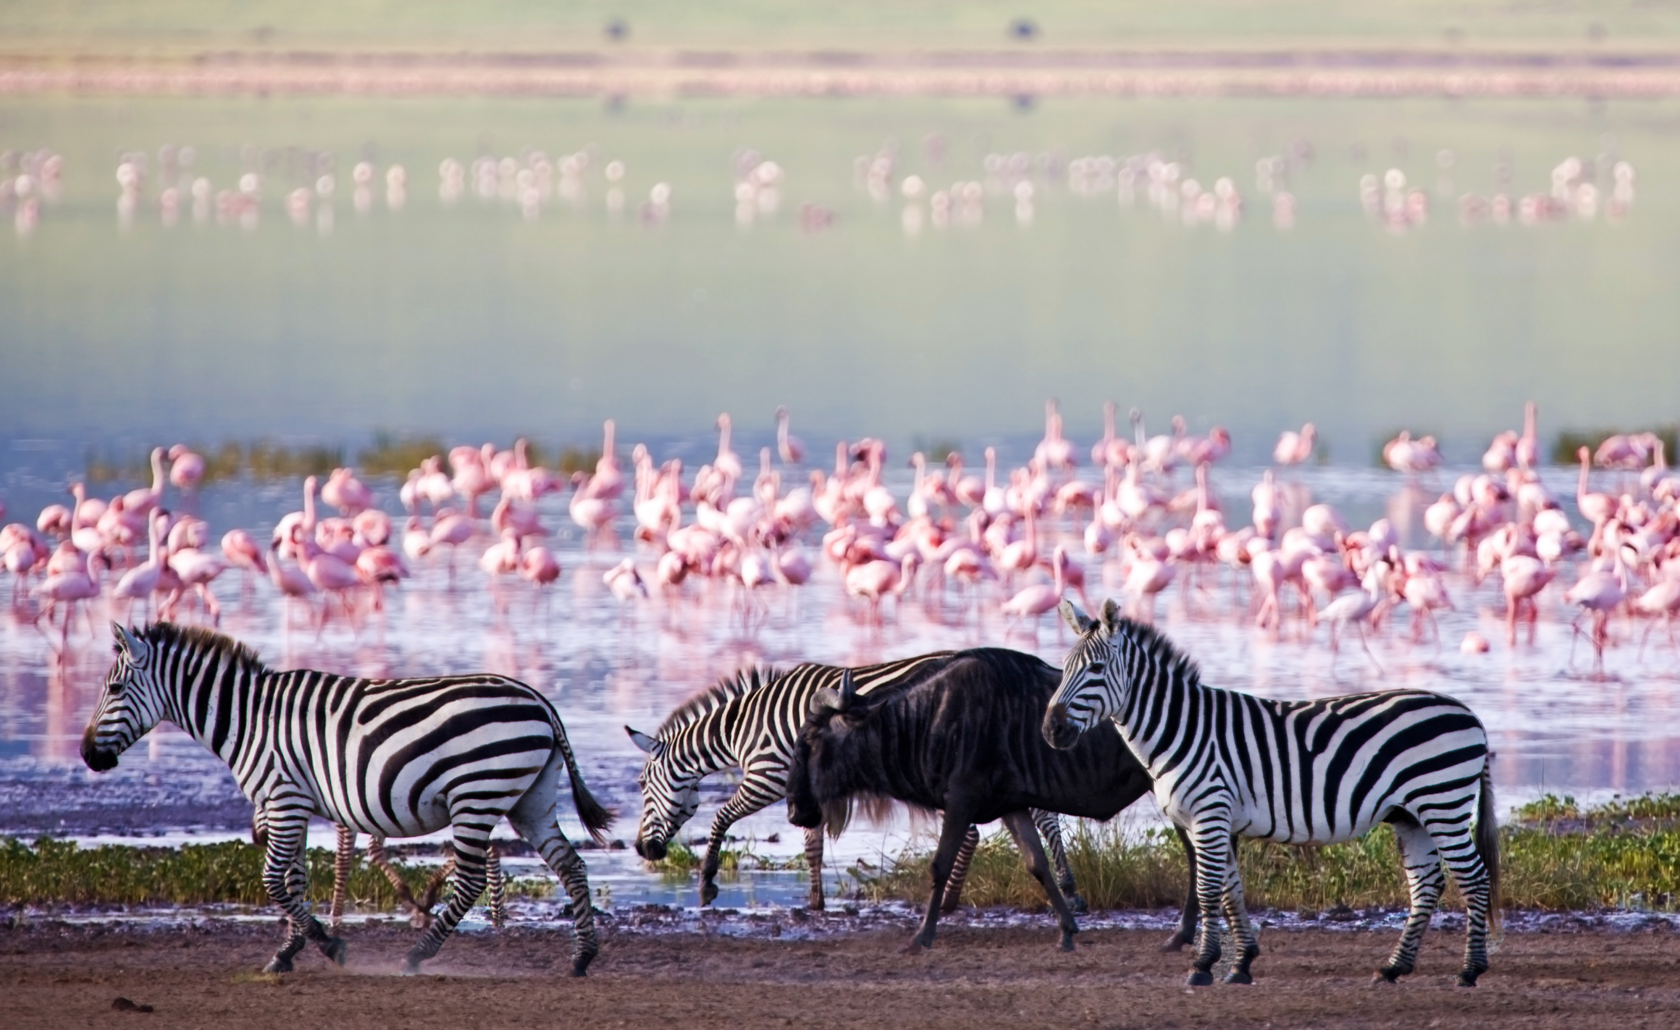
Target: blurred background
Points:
(318, 222)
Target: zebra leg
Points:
(1021, 827)
(1475, 886)
(1050, 828)
(1211, 833)
(1186, 932)
(1236, 917)
(814, 860)
(498, 888)
(341, 876)
(959, 871)
(1424, 879)
(471, 839)
(951, 836)
(282, 879)
(738, 807)
(561, 857)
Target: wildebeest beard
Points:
(837, 811)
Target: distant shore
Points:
(1337, 72)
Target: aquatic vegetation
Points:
(1570, 441)
(1557, 856)
(59, 872)
(393, 455)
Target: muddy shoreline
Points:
(1580, 972)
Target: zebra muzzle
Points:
(652, 850)
(1059, 731)
(96, 759)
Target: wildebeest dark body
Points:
(965, 741)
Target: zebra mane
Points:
(709, 700)
(168, 634)
(1154, 643)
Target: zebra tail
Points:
(596, 816)
(1487, 844)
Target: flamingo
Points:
(1662, 599)
(1597, 508)
(592, 514)
(607, 483)
(72, 585)
(345, 492)
(1598, 592)
(186, 468)
(471, 474)
(727, 461)
(876, 580)
(292, 582)
(197, 570)
(539, 566)
(501, 558)
(1295, 448)
(625, 582)
(452, 529)
(377, 566)
(1356, 609)
(1525, 577)
(142, 580)
(1148, 575)
(143, 500)
(788, 447)
(1033, 601)
(1054, 451)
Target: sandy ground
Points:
(58, 975)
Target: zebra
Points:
(751, 720)
(387, 757)
(1302, 772)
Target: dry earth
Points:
(58, 975)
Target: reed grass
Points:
(259, 460)
(58, 872)
(1556, 856)
(1566, 448)
(393, 455)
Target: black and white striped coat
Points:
(1295, 771)
(396, 758)
(752, 721)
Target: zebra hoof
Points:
(1067, 940)
(411, 964)
(1388, 975)
(1199, 978)
(580, 965)
(916, 947)
(708, 893)
(278, 965)
(1239, 976)
(815, 903)
(335, 948)
(1467, 978)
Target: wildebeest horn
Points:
(826, 699)
(848, 690)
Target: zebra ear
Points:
(825, 700)
(643, 741)
(1076, 619)
(130, 644)
(1110, 616)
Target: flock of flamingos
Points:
(1016, 539)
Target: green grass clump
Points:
(1556, 856)
(59, 872)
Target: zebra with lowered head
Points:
(396, 758)
(751, 721)
(1300, 772)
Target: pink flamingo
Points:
(186, 468)
(297, 524)
(625, 582)
(333, 577)
(144, 499)
(142, 580)
(1356, 609)
(1022, 554)
(876, 580)
(292, 582)
(453, 530)
(87, 510)
(789, 448)
(71, 586)
(1110, 451)
(1662, 599)
(1525, 577)
(1145, 579)
(1035, 600)
(501, 558)
(607, 483)
(54, 520)
(345, 492)
(970, 490)
(592, 514)
(1295, 448)
(1597, 508)
(727, 461)
(472, 478)
(1054, 451)
(1598, 592)
(539, 567)
(1528, 444)
(243, 553)
(197, 570)
(378, 566)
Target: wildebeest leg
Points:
(814, 860)
(951, 836)
(1021, 827)
(959, 871)
(1050, 828)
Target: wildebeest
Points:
(966, 741)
